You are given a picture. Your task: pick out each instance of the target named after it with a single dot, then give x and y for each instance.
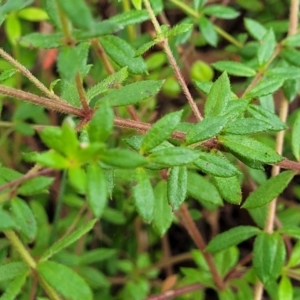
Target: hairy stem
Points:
(81, 93)
(269, 226)
(60, 105)
(173, 62)
(29, 75)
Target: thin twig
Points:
(173, 63)
(29, 75)
(199, 241)
(177, 292)
(60, 105)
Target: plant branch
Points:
(24, 178)
(82, 95)
(177, 292)
(60, 105)
(284, 105)
(29, 75)
(196, 236)
(173, 62)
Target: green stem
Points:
(130, 28)
(58, 207)
(197, 15)
(81, 93)
(21, 249)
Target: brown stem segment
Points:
(60, 105)
(196, 236)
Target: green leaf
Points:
(203, 190)
(72, 60)
(291, 55)
(234, 68)
(137, 4)
(247, 126)
(231, 237)
(78, 12)
(72, 286)
(290, 89)
(96, 189)
(130, 17)
(225, 260)
(10, 6)
(102, 123)
(235, 108)
(292, 231)
(292, 41)
(218, 97)
(267, 116)
(208, 31)
(265, 87)
(94, 278)
(205, 130)
(160, 131)
(285, 289)
(143, 195)
(179, 29)
(11, 270)
(96, 256)
(133, 93)
(295, 255)
(268, 256)
(108, 83)
(215, 163)
(229, 188)
(162, 214)
(249, 148)
(24, 218)
(14, 287)
(77, 179)
(51, 137)
(269, 190)
(255, 28)
(33, 14)
(123, 54)
(295, 140)
(7, 74)
(122, 158)
(13, 28)
(220, 11)
(266, 49)
(177, 186)
(68, 240)
(175, 156)
(145, 47)
(288, 72)
(35, 186)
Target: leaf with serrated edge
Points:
(65, 280)
(265, 87)
(250, 148)
(218, 97)
(108, 83)
(205, 129)
(269, 190)
(68, 240)
(215, 164)
(229, 188)
(231, 237)
(161, 130)
(133, 93)
(177, 186)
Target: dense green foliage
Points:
(112, 138)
